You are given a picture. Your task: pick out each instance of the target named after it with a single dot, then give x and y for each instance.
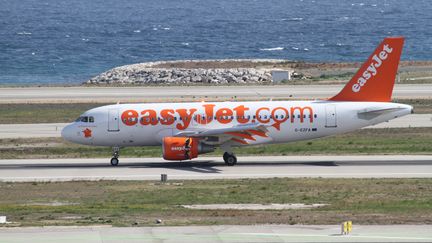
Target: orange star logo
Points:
(87, 133)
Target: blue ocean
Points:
(69, 41)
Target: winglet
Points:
(375, 79)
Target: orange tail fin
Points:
(375, 79)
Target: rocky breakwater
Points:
(152, 73)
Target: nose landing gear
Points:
(230, 159)
(116, 154)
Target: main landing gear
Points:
(230, 159)
(116, 154)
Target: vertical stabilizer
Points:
(375, 79)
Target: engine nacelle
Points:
(183, 148)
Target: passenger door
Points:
(331, 116)
(113, 120)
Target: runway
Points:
(220, 233)
(159, 93)
(373, 166)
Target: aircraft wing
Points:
(242, 134)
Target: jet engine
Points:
(183, 148)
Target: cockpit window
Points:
(85, 119)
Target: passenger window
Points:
(84, 119)
(91, 119)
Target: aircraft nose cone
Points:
(68, 132)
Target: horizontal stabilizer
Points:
(369, 114)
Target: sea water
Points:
(69, 41)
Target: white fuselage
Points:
(124, 125)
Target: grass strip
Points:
(132, 203)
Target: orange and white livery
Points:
(185, 130)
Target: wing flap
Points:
(240, 134)
(220, 131)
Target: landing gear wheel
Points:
(114, 161)
(225, 156)
(230, 159)
(115, 154)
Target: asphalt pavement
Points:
(204, 168)
(163, 93)
(220, 233)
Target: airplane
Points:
(186, 130)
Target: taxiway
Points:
(220, 233)
(161, 93)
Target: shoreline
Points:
(320, 73)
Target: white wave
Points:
(291, 19)
(305, 49)
(185, 43)
(295, 48)
(155, 28)
(339, 44)
(296, 19)
(137, 31)
(24, 33)
(272, 49)
(85, 39)
(166, 28)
